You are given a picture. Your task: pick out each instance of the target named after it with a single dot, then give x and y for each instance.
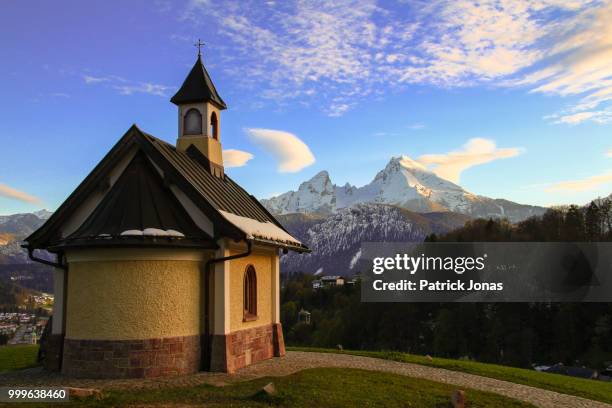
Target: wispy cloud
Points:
(609, 153)
(601, 117)
(9, 192)
(236, 158)
(417, 126)
(89, 79)
(581, 65)
(476, 151)
(474, 41)
(586, 184)
(307, 49)
(146, 88)
(291, 153)
(127, 87)
(382, 134)
(344, 51)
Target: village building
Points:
(304, 316)
(164, 264)
(328, 281)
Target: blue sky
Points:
(512, 99)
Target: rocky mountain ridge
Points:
(404, 183)
(335, 240)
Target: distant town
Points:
(21, 328)
(25, 323)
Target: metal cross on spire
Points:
(199, 44)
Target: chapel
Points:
(164, 265)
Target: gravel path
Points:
(296, 361)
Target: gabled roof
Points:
(215, 196)
(139, 208)
(198, 87)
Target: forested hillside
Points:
(518, 334)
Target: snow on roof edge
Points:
(257, 229)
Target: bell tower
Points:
(199, 114)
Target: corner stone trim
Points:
(131, 358)
(241, 348)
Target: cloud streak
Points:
(9, 192)
(126, 87)
(146, 88)
(586, 184)
(236, 158)
(601, 117)
(291, 153)
(476, 151)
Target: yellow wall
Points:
(122, 300)
(263, 270)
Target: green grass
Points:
(321, 387)
(18, 357)
(591, 389)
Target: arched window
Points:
(214, 126)
(192, 125)
(250, 293)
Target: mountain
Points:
(43, 214)
(13, 229)
(404, 183)
(11, 294)
(335, 240)
(20, 225)
(15, 266)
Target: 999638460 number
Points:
(21, 394)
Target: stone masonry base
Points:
(131, 358)
(165, 356)
(53, 352)
(244, 347)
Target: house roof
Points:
(198, 87)
(214, 196)
(139, 208)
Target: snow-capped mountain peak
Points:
(320, 182)
(403, 182)
(314, 195)
(416, 174)
(407, 163)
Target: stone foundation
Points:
(244, 347)
(278, 340)
(52, 350)
(131, 358)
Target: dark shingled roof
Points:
(212, 194)
(198, 87)
(221, 192)
(139, 200)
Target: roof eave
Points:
(132, 242)
(301, 248)
(218, 104)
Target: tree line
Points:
(517, 334)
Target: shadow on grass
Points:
(319, 387)
(580, 387)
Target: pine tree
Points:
(592, 222)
